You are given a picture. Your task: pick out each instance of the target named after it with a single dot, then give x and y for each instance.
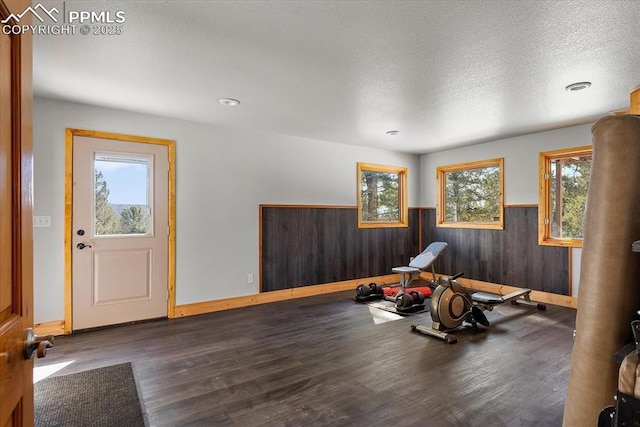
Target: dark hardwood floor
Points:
(322, 360)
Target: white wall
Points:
(222, 175)
(520, 161)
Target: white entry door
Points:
(119, 231)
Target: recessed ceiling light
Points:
(578, 86)
(229, 102)
(393, 132)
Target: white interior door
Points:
(120, 231)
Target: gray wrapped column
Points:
(610, 272)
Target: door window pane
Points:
(122, 195)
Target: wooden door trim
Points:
(68, 204)
(20, 314)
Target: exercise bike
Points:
(452, 304)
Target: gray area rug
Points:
(99, 397)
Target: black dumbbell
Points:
(408, 300)
(403, 301)
(363, 291)
(417, 296)
(375, 288)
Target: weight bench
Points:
(408, 273)
(420, 263)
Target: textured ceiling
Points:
(443, 73)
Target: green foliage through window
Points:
(473, 195)
(569, 182)
(113, 219)
(381, 196)
(107, 219)
(470, 194)
(563, 195)
(133, 220)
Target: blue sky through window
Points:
(126, 179)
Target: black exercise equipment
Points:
(407, 299)
(419, 264)
(626, 411)
(452, 304)
(369, 292)
(405, 302)
(410, 301)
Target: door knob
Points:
(37, 343)
(82, 246)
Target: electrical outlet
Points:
(249, 278)
(42, 221)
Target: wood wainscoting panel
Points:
(510, 256)
(308, 245)
(280, 295)
(205, 307)
(494, 288)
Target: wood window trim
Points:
(544, 203)
(403, 206)
(441, 171)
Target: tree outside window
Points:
(120, 218)
(470, 195)
(107, 219)
(564, 180)
(382, 196)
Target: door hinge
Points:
(546, 176)
(168, 230)
(546, 221)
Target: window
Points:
(121, 195)
(564, 178)
(470, 195)
(382, 196)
